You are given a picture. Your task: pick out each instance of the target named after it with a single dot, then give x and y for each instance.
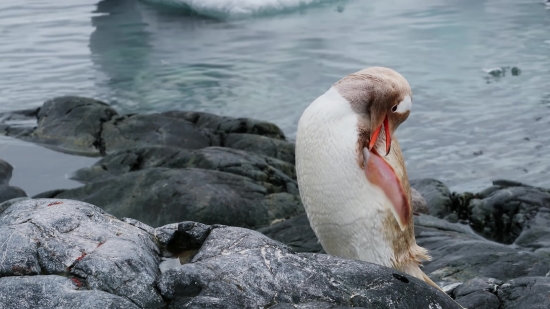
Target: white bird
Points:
(352, 178)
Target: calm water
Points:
(466, 127)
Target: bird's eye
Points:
(394, 108)
(403, 106)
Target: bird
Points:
(351, 172)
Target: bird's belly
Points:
(351, 226)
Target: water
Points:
(466, 127)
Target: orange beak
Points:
(374, 137)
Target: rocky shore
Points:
(195, 210)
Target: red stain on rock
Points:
(99, 245)
(55, 203)
(77, 282)
(81, 257)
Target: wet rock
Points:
(269, 171)
(459, 254)
(436, 194)
(239, 268)
(295, 233)
(79, 241)
(60, 124)
(262, 145)
(228, 124)
(26, 292)
(158, 196)
(479, 293)
(8, 192)
(5, 172)
(419, 203)
(89, 127)
(528, 292)
(131, 131)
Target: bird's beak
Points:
(376, 132)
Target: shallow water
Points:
(466, 127)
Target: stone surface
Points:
(158, 196)
(419, 203)
(8, 192)
(130, 131)
(295, 233)
(262, 145)
(50, 291)
(240, 268)
(60, 124)
(479, 293)
(528, 292)
(228, 124)
(5, 172)
(79, 241)
(278, 175)
(436, 194)
(89, 127)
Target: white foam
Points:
(237, 8)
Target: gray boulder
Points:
(89, 127)
(278, 175)
(527, 292)
(50, 291)
(232, 267)
(158, 196)
(436, 195)
(229, 124)
(8, 192)
(131, 131)
(73, 124)
(79, 241)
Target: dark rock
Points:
(131, 131)
(61, 125)
(459, 254)
(158, 196)
(528, 292)
(5, 173)
(239, 268)
(49, 194)
(228, 124)
(266, 146)
(479, 293)
(436, 194)
(33, 292)
(10, 192)
(79, 240)
(296, 233)
(512, 213)
(276, 174)
(419, 203)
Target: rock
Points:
(228, 124)
(295, 233)
(61, 125)
(32, 292)
(268, 171)
(8, 192)
(89, 127)
(527, 292)
(158, 196)
(76, 240)
(239, 268)
(479, 293)
(5, 172)
(511, 212)
(459, 254)
(262, 145)
(131, 131)
(436, 194)
(419, 203)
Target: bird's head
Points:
(382, 97)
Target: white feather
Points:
(405, 105)
(345, 210)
